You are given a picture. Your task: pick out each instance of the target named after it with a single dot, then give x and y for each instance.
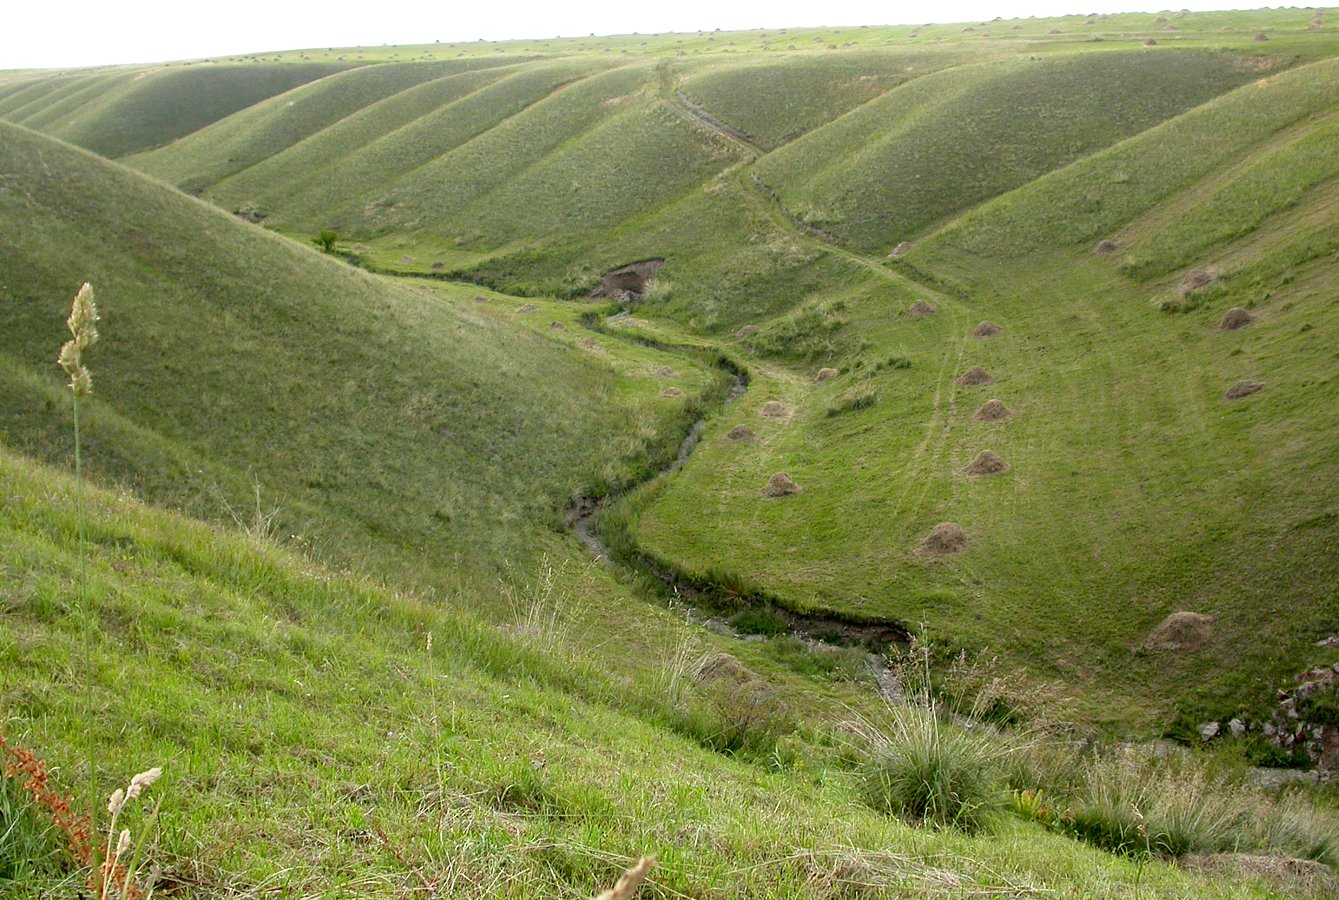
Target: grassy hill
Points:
(1128, 222)
(332, 390)
(118, 112)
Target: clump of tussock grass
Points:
(1135, 803)
(260, 523)
(853, 401)
(916, 764)
(541, 614)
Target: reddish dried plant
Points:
(24, 768)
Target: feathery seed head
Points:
(69, 357)
(123, 843)
(84, 334)
(116, 801)
(141, 781)
(81, 382)
(83, 318)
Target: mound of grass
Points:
(1093, 198)
(261, 130)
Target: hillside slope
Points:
(121, 112)
(377, 416)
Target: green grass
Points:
(332, 389)
(261, 130)
(312, 743)
(130, 113)
(775, 101)
(409, 444)
(945, 142)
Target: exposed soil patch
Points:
(901, 249)
(781, 485)
(986, 463)
(920, 308)
(944, 539)
(591, 344)
(627, 282)
(1243, 388)
(1105, 247)
(671, 392)
(479, 298)
(437, 266)
(1150, 42)
(746, 330)
(528, 308)
(775, 409)
(665, 372)
(975, 377)
(1235, 318)
(741, 433)
(1182, 632)
(1196, 279)
(557, 326)
(986, 330)
(825, 373)
(1260, 38)
(992, 411)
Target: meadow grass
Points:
(291, 707)
(426, 434)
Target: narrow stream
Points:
(708, 598)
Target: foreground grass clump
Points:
(924, 769)
(1134, 803)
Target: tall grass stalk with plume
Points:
(83, 326)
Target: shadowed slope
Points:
(121, 112)
(400, 417)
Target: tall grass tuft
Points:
(1135, 803)
(916, 764)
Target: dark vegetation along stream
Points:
(604, 519)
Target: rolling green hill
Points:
(1128, 223)
(119, 113)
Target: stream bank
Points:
(604, 528)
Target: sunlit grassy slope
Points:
(774, 172)
(410, 444)
(1136, 489)
(314, 744)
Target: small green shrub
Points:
(326, 239)
(759, 620)
(744, 717)
(896, 361)
(851, 401)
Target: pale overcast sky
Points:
(51, 33)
